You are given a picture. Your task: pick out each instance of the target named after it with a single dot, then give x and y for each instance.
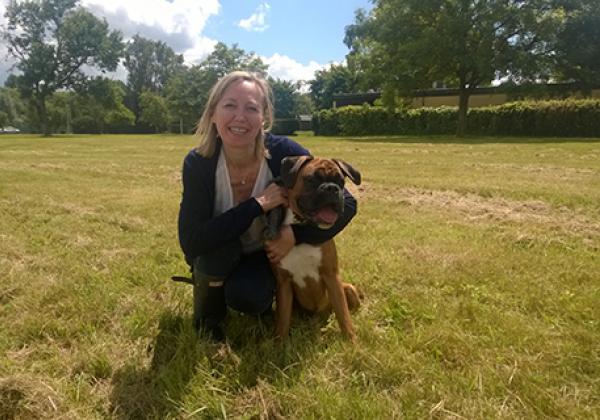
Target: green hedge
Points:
(285, 126)
(564, 118)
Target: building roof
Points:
(345, 99)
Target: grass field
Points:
(479, 258)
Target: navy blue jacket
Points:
(201, 233)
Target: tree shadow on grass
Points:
(252, 354)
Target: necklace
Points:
(243, 177)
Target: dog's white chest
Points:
(303, 261)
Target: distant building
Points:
(481, 96)
(305, 122)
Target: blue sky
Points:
(295, 38)
(307, 31)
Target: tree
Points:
(186, 93)
(304, 105)
(408, 44)
(578, 42)
(109, 95)
(52, 40)
(289, 102)
(154, 111)
(12, 107)
(99, 107)
(58, 108)
(338, 78)
(285, 98)
(223, 60)
(150, 65)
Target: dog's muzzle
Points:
(324, 207)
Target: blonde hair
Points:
(206, 131)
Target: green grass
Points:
(479, 258)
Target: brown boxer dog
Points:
(309, 274)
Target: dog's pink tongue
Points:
(326, 215)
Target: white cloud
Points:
(256, 22)
(172, 16)
(201, 49)
(178, 23)
(284, 67)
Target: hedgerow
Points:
(564, 118)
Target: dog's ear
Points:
(348, 171)
(290, 168)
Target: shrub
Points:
(285, 126)
(564, 118)
(325, 122)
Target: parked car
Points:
(9, 130)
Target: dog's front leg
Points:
(337, 298)
(283, 310)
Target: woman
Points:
(226, 187)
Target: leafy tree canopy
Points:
(12, 107)
(186, 93)
(407, 44)
(578, 42)
(154, 111)
(285, 97)
(224, 59)
(100, 106)
(150, 65)
(51, 41)
(338, 78)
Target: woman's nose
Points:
(239, 114)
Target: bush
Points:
(85, 124)
(564, 118)
(325, 122)
(285, 126)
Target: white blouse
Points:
(252, 238)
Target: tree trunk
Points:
(180, 125)
(40, 105)
(69, 128)
(463, 106)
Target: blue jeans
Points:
(249, 281)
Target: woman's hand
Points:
(278, 248)
(272, 196)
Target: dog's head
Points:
(316, 187)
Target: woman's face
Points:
(239, 115)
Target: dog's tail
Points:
(183, 279)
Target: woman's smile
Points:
(239, 115)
